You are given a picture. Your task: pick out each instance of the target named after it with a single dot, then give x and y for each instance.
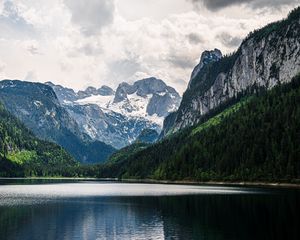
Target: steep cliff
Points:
(266, 58)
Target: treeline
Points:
(254, 138)
(22, 154)
(258, 140)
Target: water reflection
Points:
(273, 215)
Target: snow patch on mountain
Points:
(118, 117)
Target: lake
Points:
(86, 210)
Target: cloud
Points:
(228, 40)
(2, 66)
(91, 16)
(194, 38)
(123, 69)
(89, 43)
(181, 61)
(215, 5)
(91, 49)
(12, 23)
(31, 76)
(33, 50)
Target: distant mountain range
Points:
(90, 124)
(37, 106)
(118, 117)
(238, 119)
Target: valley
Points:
(237, 121)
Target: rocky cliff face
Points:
(37, 106)
(107, 126)
(207, 57)
(67, 95)
(147, 136)
(267, 57)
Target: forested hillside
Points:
(22, 154)
(258, 138)
(267, 57)
(37, 107)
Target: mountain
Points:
(37, 106)
(22, 154)
(67, 95)
(124, 154)
(266, 58)
(238, 119)
(118, 117)
(255, 139)
(148, 136)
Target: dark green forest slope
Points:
(257, 138)
(22, 154)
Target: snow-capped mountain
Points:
(37, 107)
(118, 117)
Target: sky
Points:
(81, 43)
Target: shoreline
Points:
(153, 181)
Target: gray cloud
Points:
(124, 68)
(31, 76)
(194, 38)
(2, 67)
(91, 16)
(215, 5)
(91, 50)
(33, 50)
(12, 24)
(178, 61)
(228, 40)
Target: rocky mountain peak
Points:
(106, 91)
(142, 88)
(118, 117)
(210, 56)
(207, 57)
(266, 58)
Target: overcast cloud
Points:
(220, 4)
(78, 43)
(92, 15)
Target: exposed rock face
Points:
(118, 118)
(67, 95)
(163, 99)
(110, 127)
(267, 57)
(37, 106)
(63, 94)
(207, 57)
(90, 91)
(106, 91)
(148, 136)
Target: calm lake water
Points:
(32, 210)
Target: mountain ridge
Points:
(38, 107)
(23, 154)
(267, 57)
(118, 117)
(253, 139)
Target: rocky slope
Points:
(267, 57)
(256, 139)
(118, 117)
(147, 136)
(37, 106)
(22, 154)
